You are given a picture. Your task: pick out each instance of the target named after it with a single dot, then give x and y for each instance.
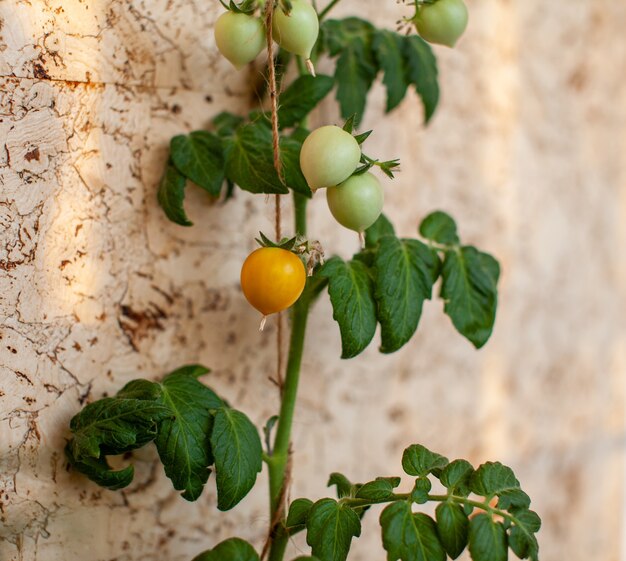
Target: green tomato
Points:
(357, 202)
(442, 22)
(298, 31)
(329, 156)
(239, 37)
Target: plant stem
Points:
(327, 9)
(279, 460)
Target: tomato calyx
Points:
(311, 251)
(247, 7)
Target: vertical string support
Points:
(273, 91)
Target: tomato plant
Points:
(381, 289)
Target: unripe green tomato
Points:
(357, 202)
(329, 156)
(239, 37)
(298, 31)
(442, 22)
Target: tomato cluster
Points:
(241, 37)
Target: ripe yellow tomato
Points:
(272, 279)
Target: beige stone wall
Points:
(96, 287)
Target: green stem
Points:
(327, 9)
(358, 503)
(279, 459)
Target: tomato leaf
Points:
(345, 488)
(199, 156)
(421, 67)
(114, 426)
(183, 439)
(99, 471)
(301, 97)
(234, 549)
(420, 461)
(355, 73)
(408, 536)
(352, 296)
(298, 513)
(439, 227)
(470, 292)
(171, 194)
(495, 479)
(404, 272)
(388, 47)
(456, 477)
(487, 539)
(522, 538)
(250, 160)
(453, 527)
(382, 227)
(330, 529)
(379, 490)
(290, 148)
(237, 450)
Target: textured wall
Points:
(97, 287)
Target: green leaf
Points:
(234, 549)
(290, 148)
(99, 471)
(405, 271)
(183, 440)
(493, 478)
(420, 491)
(330, 529)
(419, 461)
(227, 123)
(439, 227)
(250, 160)
(521, 537)
(470, 292)
(171, 194)
(298, 512)
(456, 477)
(355, 73)
(301, 97)
(389, 47)
(306, 558)
(379, 490)
(408, 536)
(352, 296)
(453, 527)
(487, 539)
(336, 34)
(199, 156)
(344, 487)
(238, 456)
(421, 68)
(382, 227)
(114, 426)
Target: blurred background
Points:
(526, 151)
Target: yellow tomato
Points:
(272, 279)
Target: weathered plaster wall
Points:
(97, 287)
